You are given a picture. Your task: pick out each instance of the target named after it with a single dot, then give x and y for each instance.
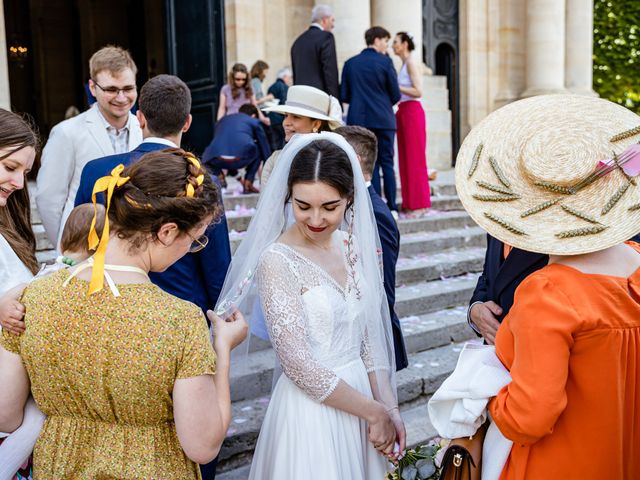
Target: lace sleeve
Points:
(373, 359)
(285, 318)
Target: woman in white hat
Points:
(307, 110)
(559, 174)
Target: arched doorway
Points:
(171, 36)
(440, 53)
(446, 63)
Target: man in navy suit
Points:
(239, 142)
(370, 87)
(164, 106)
(504, 269)
(313, 54)
(364, 143)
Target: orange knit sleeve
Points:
(541, 321)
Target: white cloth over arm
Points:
(459, 406)
(280, 294)
(15, 449)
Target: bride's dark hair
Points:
(322, 161)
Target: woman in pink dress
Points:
(412, 129)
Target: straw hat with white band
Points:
(554, 174)
(311, 102)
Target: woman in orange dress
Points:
(572, 339)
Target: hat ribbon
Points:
(108, 184)
(306, 107)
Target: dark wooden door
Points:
(195, 53)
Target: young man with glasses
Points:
(164, 115)
(107, 128)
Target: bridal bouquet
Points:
(420, 463)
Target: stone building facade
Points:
(507, 49)
(504, 49)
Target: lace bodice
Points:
(313, 321)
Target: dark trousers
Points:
(252, 164)
(208, 471)
(385, 162)
(277, 137)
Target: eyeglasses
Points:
(115, 91)
(198, 243)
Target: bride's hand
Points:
(382, 432)
(401, 434)
(228, 333)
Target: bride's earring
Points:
(315, 129)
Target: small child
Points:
(74, 243)
(16, 448)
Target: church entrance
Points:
(50, 42)
(440, 51)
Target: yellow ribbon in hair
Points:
(199, 179)
(108, 184)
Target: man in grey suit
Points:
(107, 128)
(313, 54)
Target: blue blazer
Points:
(390, 242)
(500, 277)
(196, 277)
(370, 87)
(238, 135)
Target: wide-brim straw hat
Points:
(527, 174)
(311, 102)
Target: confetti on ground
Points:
(239, 421)
(434, 364)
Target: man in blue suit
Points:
(364, 143)
(504, 269)
(370, 87)
(239, 142)
(164, 106)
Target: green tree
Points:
(616, 51)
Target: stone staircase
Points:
(441, 254)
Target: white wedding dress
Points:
(314, 326)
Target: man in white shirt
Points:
(107, 128)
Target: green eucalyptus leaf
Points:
(426, 468)
(409, 473)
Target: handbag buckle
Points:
(457, 460)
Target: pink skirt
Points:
(412, 145)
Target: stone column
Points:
(5, 97)
(353, 18)
(545, 47)
(400, 16)
(579, 47)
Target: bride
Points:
(311, 253)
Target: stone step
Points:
(435, 98)
(423, 243)
(433, 266)
(435, 221)
(433, 296)
(415, 384)
(46, 256)
(253, 378)
(42, 241)
(434, 81)
(438, 120)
